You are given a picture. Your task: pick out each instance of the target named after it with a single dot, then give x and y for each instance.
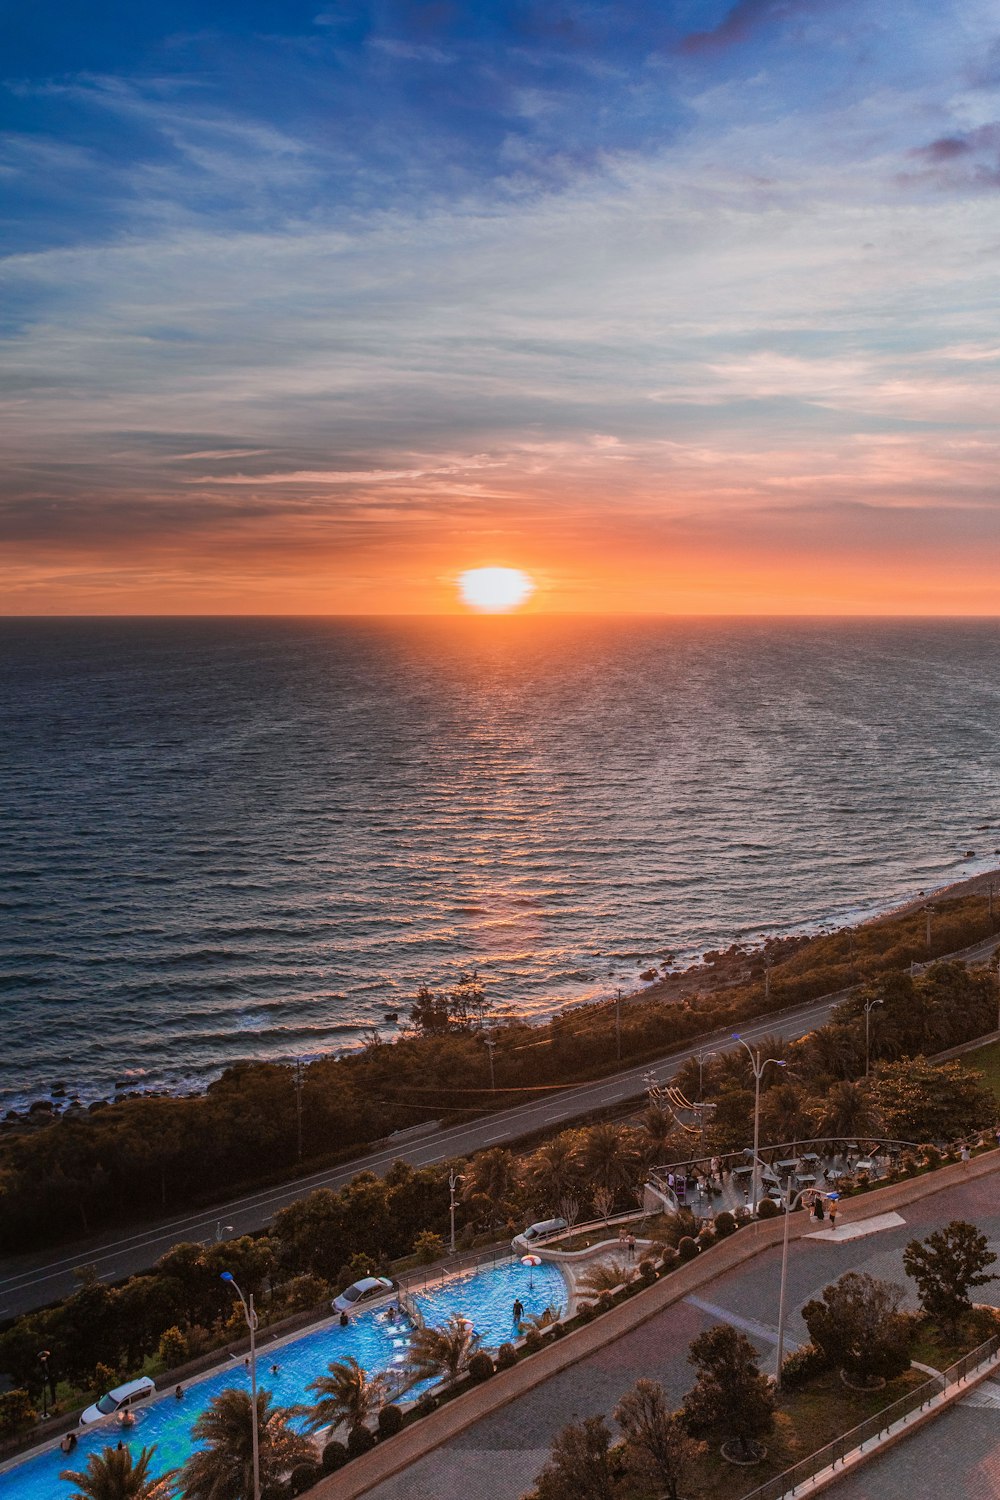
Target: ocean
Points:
(251, 838)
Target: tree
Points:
(944, 1266)
(430, 1013)
(858, 1325)
(657, 1444)
(846, 1112)
(730, 1395)
(491, 1186)
(443, 1351)
(553, 1170)
(115, 1475)
(605, 1276)
(346, 1394)
(923, 1101)
(610, 1157)
(223, 1468)
(580, 1466)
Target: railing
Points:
(421, 1278)
(784, 1486)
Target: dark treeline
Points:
(140, 1157)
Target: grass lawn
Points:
(985, 1060)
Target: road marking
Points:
(859, 1228)
(501, 1137)
(745, 1325)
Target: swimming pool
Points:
(485, 1297)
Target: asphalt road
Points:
(31, 1281)
(499, 1457)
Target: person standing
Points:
(833, 1215)
(517, 1311)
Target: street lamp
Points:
(790, 1204)
(869, 1007)
(220, 1230)
(44, 1356)
(251, 1318)
(454, 1178)
(758, 1064)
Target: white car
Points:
(121, 1399)
(361, 1291)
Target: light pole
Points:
(251, 1318)
(869, 1007)
(790, 1203)
(220, 1230)
(43, 1359)
(454, 1178)
(702, 1059)
(758, 1064)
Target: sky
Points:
(688, 307)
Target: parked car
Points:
(361, 1291)
(122, 1398)
(535, 1233)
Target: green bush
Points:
(359, 1440)
(303, 1477)
(428, 1246)
(173, 1348)
(767, 1209)
(390, 1421)
(606, 1301)
(586, 1312)
(104, 1379)
(335, 1456)
(481, 1367)
(724, 1224)
(687, 1249)
(506, 1357)
(802, 1366)
(425, 1405)
(647, 1272)
(17, 1411)
(532, 1340)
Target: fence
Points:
(422, 1278)
(784, 1486)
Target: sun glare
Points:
(495, 589)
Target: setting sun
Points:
(495, 589)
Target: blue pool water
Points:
(485, 1297)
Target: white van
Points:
(535, 1233)
(122, 1398)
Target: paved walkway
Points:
(498, 1457)
(956, 1455)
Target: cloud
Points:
(741, 23)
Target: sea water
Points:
(236, 838)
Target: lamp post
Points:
(220, 1230)
(758, 1064)
(869, 1007)
(251, 1318)
(790, 1203)
(454, 1178)
(44, 1356)
(702, 1059)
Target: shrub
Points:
(767, 1209)
(390, 1421)
(725, 1225)
(687, 1249)
(706, 1238)
(428, 1246)
(647, 1272)
(303, 1477)
(586, 1312)
(532, 1340)
(908, 1165)
(425, 1405)
(173, 1348)
(558, 1330)
(506, 1357)
(480, 1366)
(359, 1440)
(605, 1302)
(303, 1293)
(104, 1378)
(335, 1456)
(802, 1366)
(16, 1412)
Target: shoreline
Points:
(670, 986)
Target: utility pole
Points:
(251, 1320)
(489, 1043)
(298, 1105)
(618, 1024)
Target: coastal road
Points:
(498, 1457)
(31, 1281)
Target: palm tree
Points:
(347, 1394)
(491, 1185)
(554, 1169)
(223, 1469)
(610, 1157)
(847, 1111)
(115, 1475)
(605, 1276)
(443, 1351)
